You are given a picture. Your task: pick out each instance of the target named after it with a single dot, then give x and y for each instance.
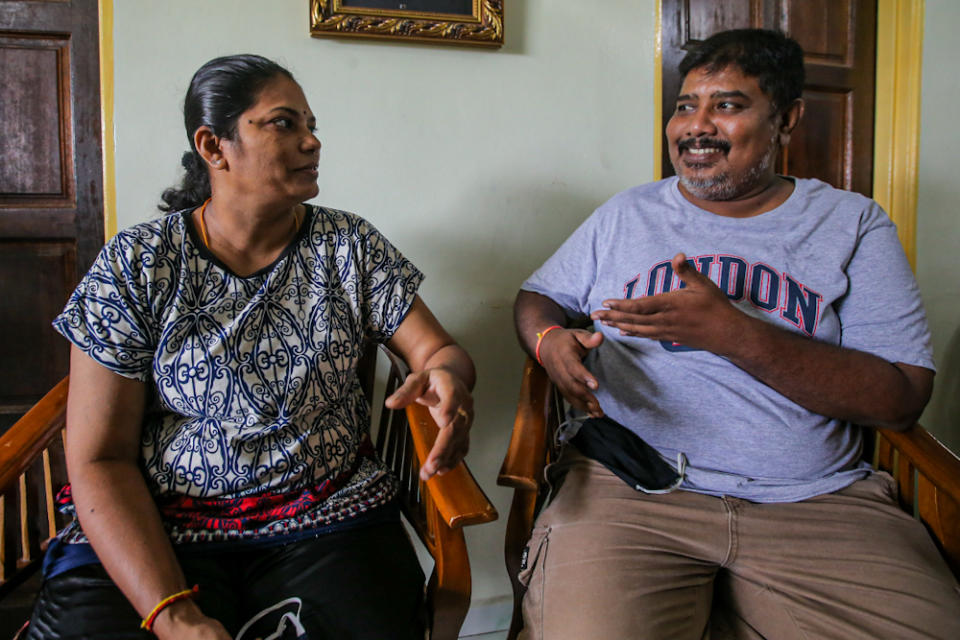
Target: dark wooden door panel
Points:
(824, 28)
(835, 139)
(828, 117)
(36, 154)
(51, 195)
(705, 17)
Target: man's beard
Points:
(723, 186)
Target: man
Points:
(744, 322)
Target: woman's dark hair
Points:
(775, 60)
(219, 92)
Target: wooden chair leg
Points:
(519, 525)
(449, 584)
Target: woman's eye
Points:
(283, 123)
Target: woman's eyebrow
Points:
(289, 110)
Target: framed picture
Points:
(472, 22)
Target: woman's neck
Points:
(247, 239)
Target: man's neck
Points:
(761, 200)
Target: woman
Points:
(217, 433)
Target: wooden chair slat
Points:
(904, 476)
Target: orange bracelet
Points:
(147, 623)
(540, 336)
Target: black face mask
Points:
(626, 454)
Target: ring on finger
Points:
(463, 412)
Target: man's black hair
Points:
(775, 60)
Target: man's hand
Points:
(450, 404)
(562, 352)
(698, 316)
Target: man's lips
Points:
(703, 148)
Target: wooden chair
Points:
(32, 471)
(927, 474)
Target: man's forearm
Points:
(830, 380)
(533, 312)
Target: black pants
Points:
(364, 583)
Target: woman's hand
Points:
(183, 620)
(449, 401)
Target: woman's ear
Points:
(208, 146)
(789, 119)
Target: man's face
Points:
(723, 136)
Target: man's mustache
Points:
(703, 143)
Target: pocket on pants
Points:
(533, 554)
(533, 577)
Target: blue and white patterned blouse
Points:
(254, 377)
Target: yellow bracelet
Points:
(147, 623)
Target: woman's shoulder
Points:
(156, 232)
(345, 223)
(138, 250)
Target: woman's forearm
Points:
(120, 518)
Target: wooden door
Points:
(834, 141)
(51, 194)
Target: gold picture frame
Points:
(483, 26)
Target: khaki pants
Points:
(609, 562)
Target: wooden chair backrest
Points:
(32, 470)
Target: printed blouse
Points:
(254, 378)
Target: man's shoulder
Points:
(641, 196)
(814, 189)
(842, 206)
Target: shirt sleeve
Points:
(569, 275)
(107, 316)
(882, 312)
(388, 283)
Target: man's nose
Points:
(701, 124)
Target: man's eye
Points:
(728, 106)
(684, 107)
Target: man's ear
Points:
(789, 119)
(208, 146)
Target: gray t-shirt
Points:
(826, 263)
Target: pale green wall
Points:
(476, 163)
(938, 223)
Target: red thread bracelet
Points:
(147, 623)
(540, 336)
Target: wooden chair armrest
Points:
(522, 466)
(932, 458)
(31, 434)
(928, 479)
(456, 494)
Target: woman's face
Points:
(272, 160)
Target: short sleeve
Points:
(569, 275)
(107, 316)
(388, 283)
(882, 312)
